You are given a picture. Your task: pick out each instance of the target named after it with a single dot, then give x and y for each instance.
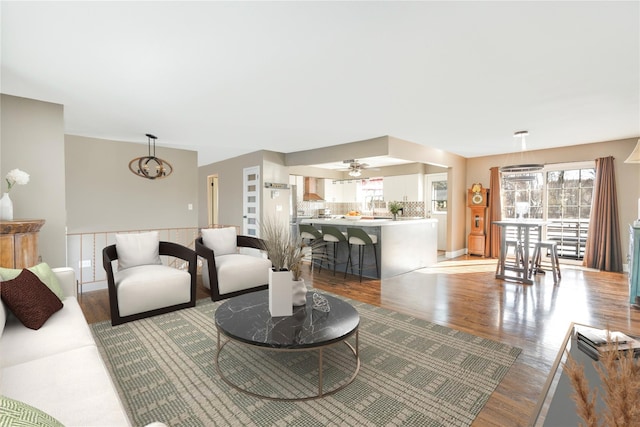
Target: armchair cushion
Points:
(222, 241)
(237, 272)
(149, 287)
(136, 249)
(30, 299)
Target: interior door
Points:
(436, 201)
(251, 201)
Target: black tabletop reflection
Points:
(247, 318)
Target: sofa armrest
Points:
(67, 278)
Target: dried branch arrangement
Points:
(284, 250)
(619, 372)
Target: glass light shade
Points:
(634, 157)
(522, 208)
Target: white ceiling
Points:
(228, 78)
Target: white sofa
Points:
(58, 368)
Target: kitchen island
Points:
(403, 245)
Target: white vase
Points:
(299, 292)
(280, 300)
(6, 208)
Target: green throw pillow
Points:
(16, 413)
(44, 273)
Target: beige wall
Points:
(275, 171)
(229, 174)
(627, 175)
(32, 139)
(103, 194)
(456, 186)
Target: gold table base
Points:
(320, 394)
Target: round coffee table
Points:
(246, 319)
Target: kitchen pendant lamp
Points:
(150, 166)
(523, 171)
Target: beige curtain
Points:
(603, 248)
(494, 213)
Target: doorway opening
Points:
(212, 199)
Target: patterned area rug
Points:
(413, 372)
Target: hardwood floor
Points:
(464, 294)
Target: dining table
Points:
(519, 272)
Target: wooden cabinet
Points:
(634, 264)
(19, 243)
(477, 198)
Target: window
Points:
(560, 194)
(371, 192)
(569, 195)
(519, 189)
(439, 196)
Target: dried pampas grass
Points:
(619, 373)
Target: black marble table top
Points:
(246, 318)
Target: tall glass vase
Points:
(6, 208)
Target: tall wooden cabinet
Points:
(19, 243)
(634, 264)
(477, 200)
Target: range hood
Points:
(310, 189)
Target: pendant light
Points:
(150, 166)
(523, 171)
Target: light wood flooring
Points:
(464, 294)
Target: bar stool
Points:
(536, 259)
(358, 237)
(518, 251)
(313, 236)
(331, 234)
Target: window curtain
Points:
(603, 248)
(494, 213)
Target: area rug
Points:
(413, 372)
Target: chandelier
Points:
(150, 167)
(525, 171)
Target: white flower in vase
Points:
(16, 176)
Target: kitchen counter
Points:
(365, 222)
(403, 245)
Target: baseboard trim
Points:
(456, 254)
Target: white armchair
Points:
(142, 286)
(225, 270)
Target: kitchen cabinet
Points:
(403, 188)
(340, 191)
(403, 246)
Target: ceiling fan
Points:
(355, 167)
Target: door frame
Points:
(212, 199)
